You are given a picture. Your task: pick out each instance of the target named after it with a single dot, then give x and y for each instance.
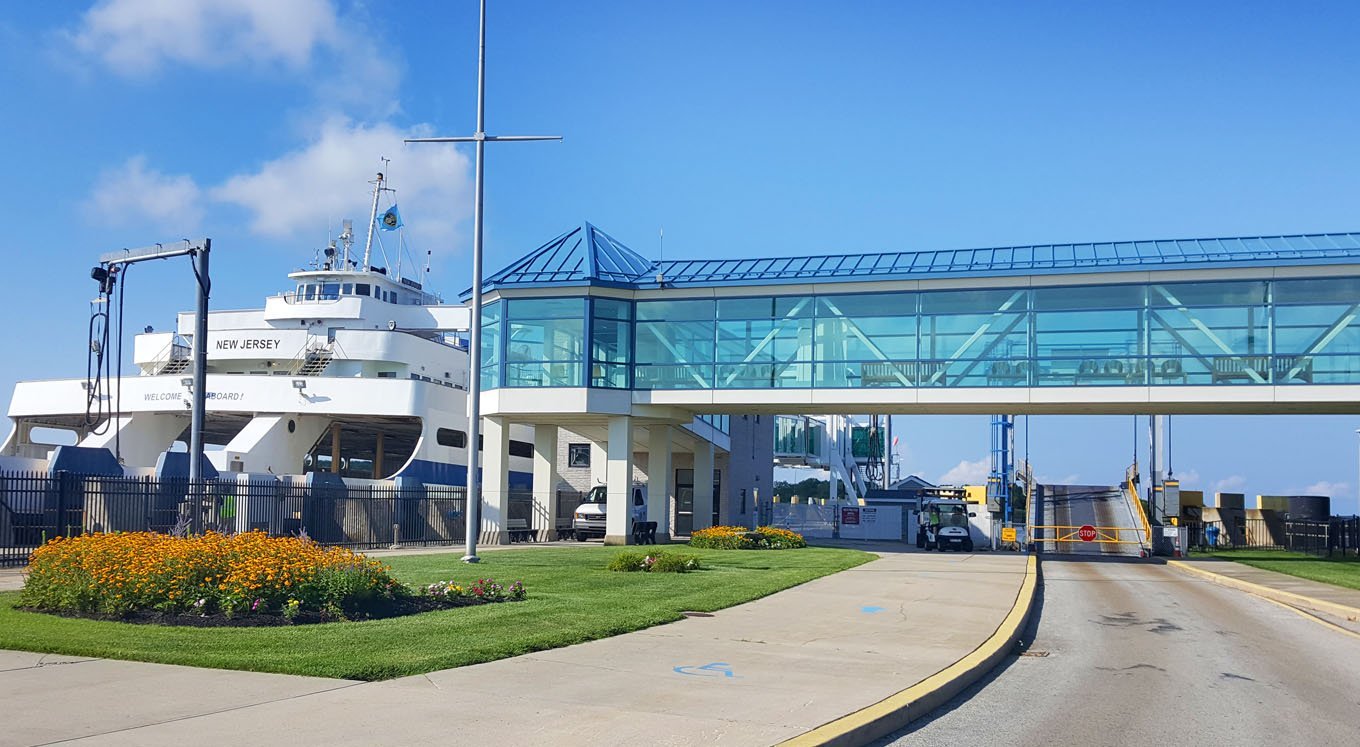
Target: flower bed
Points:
(215, 579)
(741, 538)
(657, 562)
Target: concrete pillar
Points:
(660, 480)
(495, 480)
(335, 448)
(378, 457)
(703, 485)
(599, 464)
(545, 482)
(619, 479)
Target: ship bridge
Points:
(585, 329)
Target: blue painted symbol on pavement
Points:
(871, 610)
(716, 669)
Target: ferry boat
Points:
(354, 370)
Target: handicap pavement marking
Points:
(871, 610)
(708, 670)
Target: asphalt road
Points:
(1131, 653)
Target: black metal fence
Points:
(36, 507)
(1336, 536)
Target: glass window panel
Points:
(695, 310)
(869, 304)
(1251, 293)
(764, 308)
(963, 302)
(975, 335)
(610, 339)
(1208, 331)
(1318, 291)
(546, 308)
(675, 342)
(1315, 329)
(552, 339)
(610, 308)
(491, 312)
(1090, 297)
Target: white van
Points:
(588, 520)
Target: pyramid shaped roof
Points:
(585, 255)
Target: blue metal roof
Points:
(587, 255)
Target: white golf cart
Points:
(943, 525)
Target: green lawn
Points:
(1336, 570)
(571, 599)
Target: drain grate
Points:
(697, 614)
(1039, 654)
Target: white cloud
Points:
(1230, 484)
(967, 473)
(1072, 479)
(1189, 478)
(307, 40)
(1333, 489)
(133, 193)
(303, 191)
(135, 37)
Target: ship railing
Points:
(293, 297)
(176, 350)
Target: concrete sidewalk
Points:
(754, 674)
(1334, 601)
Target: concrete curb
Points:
(1279, 595)
(896, 711)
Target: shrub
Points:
(483, 590)
(658, 562)
(780, 539)
(115, 574)
(627, 562)
(720, 538)
(667, 562)
(741, 538)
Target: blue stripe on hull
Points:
(443, 473)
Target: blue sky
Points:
(753, 129)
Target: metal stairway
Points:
(315, 362)
(176, 366)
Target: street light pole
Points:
(480, 138)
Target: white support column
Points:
(703, 485)
(618, 529)
(599, 464)
(545, 482)
(495, 480)
(660, 480)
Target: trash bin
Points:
(1211, 535)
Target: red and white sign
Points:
(1087, 533)
(849, 515)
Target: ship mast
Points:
(372, 220)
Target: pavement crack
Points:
(1231, 676)
(41, 663)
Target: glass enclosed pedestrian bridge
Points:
(1260, 324)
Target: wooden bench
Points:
(519, 530)
(644, 532)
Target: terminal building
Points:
(583, 332)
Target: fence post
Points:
(64, 486)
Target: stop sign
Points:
(1087, 533)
